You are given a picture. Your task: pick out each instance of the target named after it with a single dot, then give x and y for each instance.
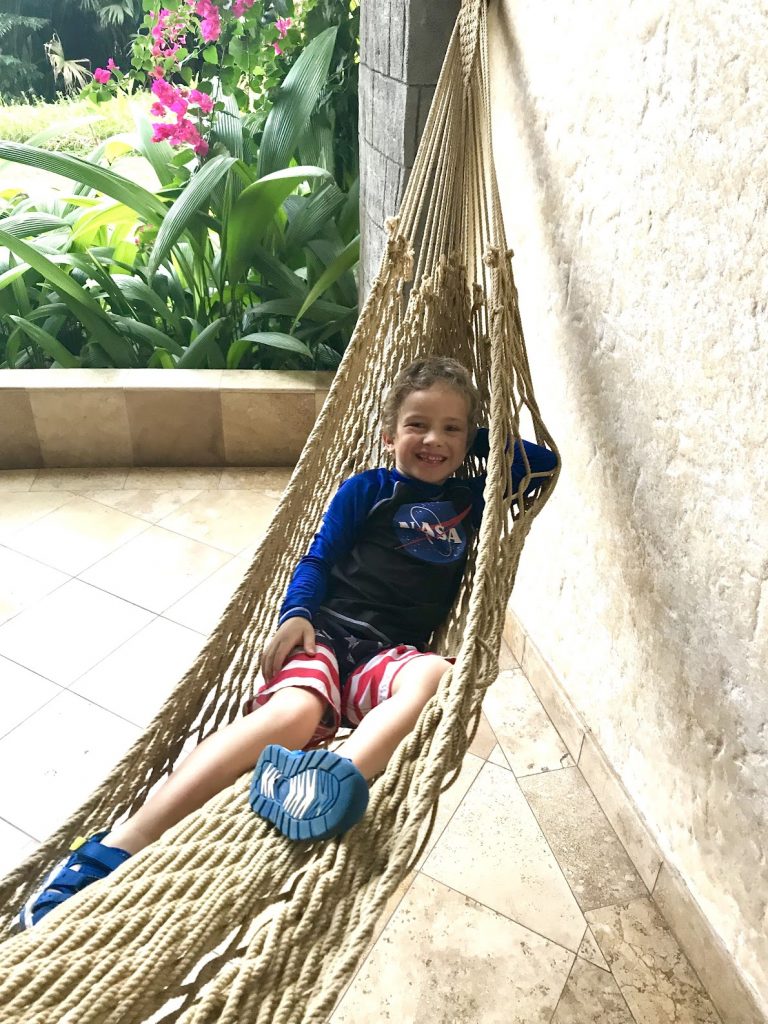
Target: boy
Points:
(351, 645)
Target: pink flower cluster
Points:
(168, 34)
(182, 131)
(282, 25)
(239, 7)
(103, 75)
(210, 24)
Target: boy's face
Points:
(432, 434)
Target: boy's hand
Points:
(294, 632)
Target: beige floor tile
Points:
(23, 693)
(158, 478)
(150, 505)
(135, 680)
(444, 958)
(589, 950)
(15, 846)
(61, 753)
(449, 801)
(493, 851)
(201, 608)
(653, 974)
(76, 535)
(588, 850)
(496, 756)
(591, 995)
(485, 739)
(270, 480)
(229, 520)
(156, 568)
(17, 479)
(525, 733)
(20, 509)
(71, 629)
(78, 479)
(24, 581)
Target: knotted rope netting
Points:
(223, 919)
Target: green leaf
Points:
(29, 225)
(204, 348)
(158, 154)
(87, 225)
(273, 339)
(139, 293)
(255, 211)
(84, 307)
(315, 210)
(296, 99)
(9, 276)
(277, 273)
(236, 351)
(346, 259)
(52, 346)
(320, 312)
(145, 332)
(178, 219)
(100, 178)
(211, 55)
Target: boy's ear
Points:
(389, 442)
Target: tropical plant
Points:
(73, 73)
(20, 65)
(234, 264)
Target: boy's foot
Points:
(311, 794)
(89, 861)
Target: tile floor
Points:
(525, 906)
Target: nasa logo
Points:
(432, 531)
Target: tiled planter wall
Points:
(52, 418)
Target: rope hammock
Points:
(223, 919)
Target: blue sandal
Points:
(90, 860)
(311, 794)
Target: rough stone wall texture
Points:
(402, 45)
(630, 148)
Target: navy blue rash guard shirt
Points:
(386, 565)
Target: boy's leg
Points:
(374, 741)
(289, 718)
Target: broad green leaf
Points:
(161, 358)
(295, 101)
(277, 274)
(47, 342)
(255, 210)
(83, 306)
(205, 347)
(315, 210)
(274, 339)
(346, 259)
(236, 351)
(180, 215)
(349, 218)
(91, 175)
(88, 224)
(9, 276)
(137, 292)
(29, 225)
(321, 312)
(145, 332)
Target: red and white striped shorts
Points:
(365, 688)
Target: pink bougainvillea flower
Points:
(210, 25)
(203, 100)
(157, 110)
(278, 51)
(111, 66)
(102, 76)
(239, 7)
(157, 72)
(282, 25)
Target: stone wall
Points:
(402, 45)
(630, 148)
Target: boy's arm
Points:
(540, 459)
(341, 523)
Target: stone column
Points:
(402, 46)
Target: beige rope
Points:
(223, 919)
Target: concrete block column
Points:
(402, 46)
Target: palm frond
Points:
(73, 73)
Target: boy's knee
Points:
(424, 676)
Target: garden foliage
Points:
(244, 254)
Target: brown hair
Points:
(423, 374)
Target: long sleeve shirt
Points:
(388, 559)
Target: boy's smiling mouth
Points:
(433, 459)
